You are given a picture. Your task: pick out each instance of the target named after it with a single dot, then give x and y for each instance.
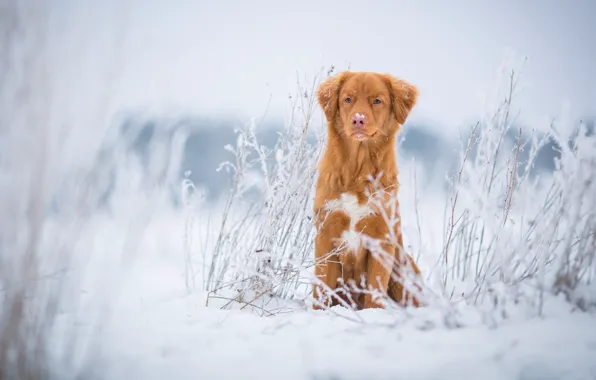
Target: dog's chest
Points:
(349, 205)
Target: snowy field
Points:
(156, 329)
(114, 266)
(171, 338)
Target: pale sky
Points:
(230, 56)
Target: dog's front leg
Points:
(327, 271)
(328, 268)
(405, 271)
(378, 274)
(378, 260)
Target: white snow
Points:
(316, 345)
(157, 330)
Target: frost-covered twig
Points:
(277, 244)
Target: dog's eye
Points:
(377, 101)
(348, 100)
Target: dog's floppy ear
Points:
(329, 92)
(403, 97)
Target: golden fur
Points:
(364, 113)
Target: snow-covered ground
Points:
(170, 338)
(155, 329)
(165, 340)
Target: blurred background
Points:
(209, 67)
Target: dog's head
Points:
(366, 106)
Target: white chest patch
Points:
(348, 204)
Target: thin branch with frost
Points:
(276, 251)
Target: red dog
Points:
(364, 112)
